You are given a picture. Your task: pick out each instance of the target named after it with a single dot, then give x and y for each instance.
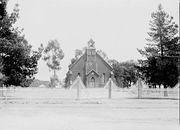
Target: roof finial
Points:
(91, 43)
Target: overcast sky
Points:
(118, 27)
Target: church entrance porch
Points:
(92, 80)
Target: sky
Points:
(118, 27)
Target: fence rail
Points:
(46, 95)
(156, 92)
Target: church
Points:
(91, 67)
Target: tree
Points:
(53, 54)
(67, 80)
(162, 45)
(112, 61)
(19, 62)
(130, 72)
(2, 8)
(162, 30)
(124, 73)
(118, 74)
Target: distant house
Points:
(91, 67)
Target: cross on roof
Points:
(91, 43)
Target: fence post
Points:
(5, 93)
(139, 89)
(110, 88)
(78, 89)
(165, 92)
(1, 94)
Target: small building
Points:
(91, 67)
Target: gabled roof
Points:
(92, 71)
(76, 61)
(105, 61)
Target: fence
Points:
(160, 93)
(57, 95)
(141, 92)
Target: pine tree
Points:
(158, 68)
(19, 62)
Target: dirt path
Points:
(126, 114)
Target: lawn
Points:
(58, 109)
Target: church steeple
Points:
(90, 56)
(91, 51)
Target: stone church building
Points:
(91, 67)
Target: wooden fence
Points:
(56, 95)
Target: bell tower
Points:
(90, 56)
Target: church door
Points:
(92, 82)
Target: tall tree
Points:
(19, 62)
(2, 9)
(162, 44)
(53, 54)
(124, 73)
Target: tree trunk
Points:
(161, 44)
(159, 86)
(54, 81)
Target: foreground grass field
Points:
(52, 112)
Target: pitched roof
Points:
(97, 55)
(105, 61)
(92, 71)
(76, 61)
